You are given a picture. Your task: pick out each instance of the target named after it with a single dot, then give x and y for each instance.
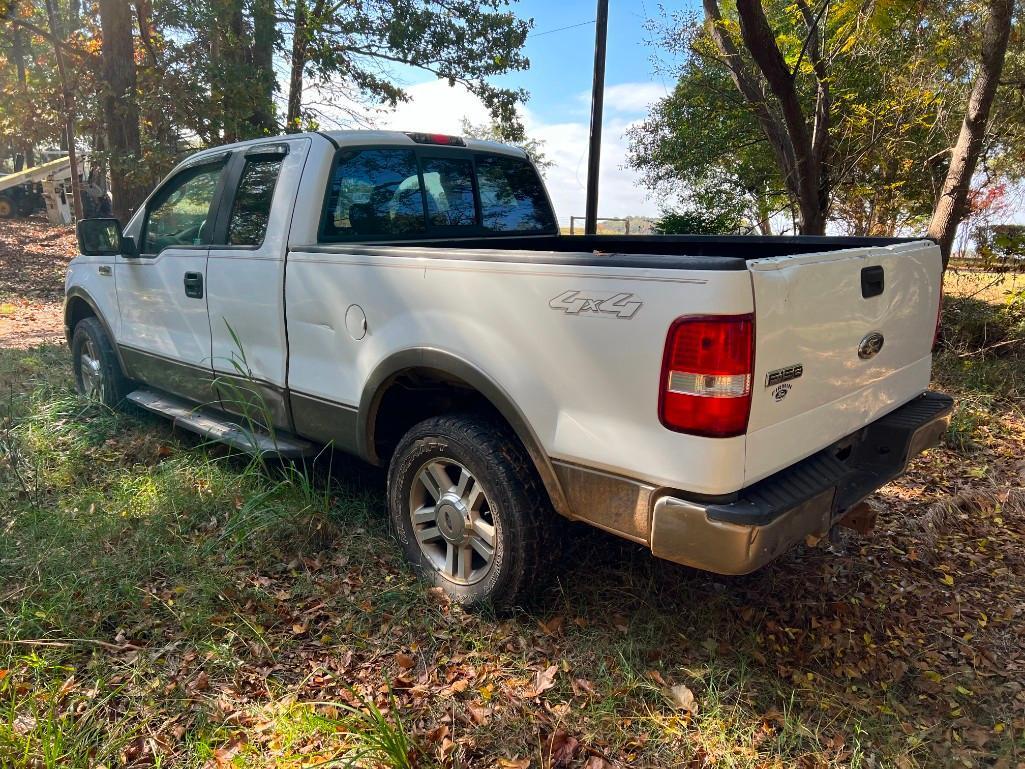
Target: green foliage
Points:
(461, 41)
(899, 74)
(729, 162)
(696, 222)
(1000, 247)
(208, 70)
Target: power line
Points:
(560, 29)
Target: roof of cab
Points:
(398, 138)
(350, 138)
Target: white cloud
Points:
(631, 98)
(436, 107)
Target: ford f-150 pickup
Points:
(408, 298)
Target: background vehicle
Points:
(47, 187)
(407, 298)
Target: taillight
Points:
(705, 387)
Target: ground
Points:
(166, 603)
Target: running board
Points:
(218, 426)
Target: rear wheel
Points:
(98, 374)
(469, 510)
(7, 207)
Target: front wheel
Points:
(98, 374)
(469, 510)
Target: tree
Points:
(728, 174)
(898, 85)
(141, 81)
(357, 45)
(265, 36)
(68, 100)
(799, 151)
(120, 110)
(953, 199)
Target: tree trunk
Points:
(951, 207)
(120, 109)
(262, 58)
(69, 111)
(760, 41)
(800, 153)
(18, 53)
(295, 82)
(764, 215)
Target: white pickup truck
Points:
(408, 298)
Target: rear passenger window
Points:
(251, 210)
(374, 193)
(512, 198)
(449, 186)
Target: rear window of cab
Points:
(393, 193)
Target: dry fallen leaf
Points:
(543, 681)
(561, 749)
(683, 699)
(404, 661)
(514, 763)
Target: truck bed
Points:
(743, 246)
(665, 252)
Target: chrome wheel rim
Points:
(91, 372)
(453, 521)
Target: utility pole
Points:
(601, 29)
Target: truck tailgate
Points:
(841, 338)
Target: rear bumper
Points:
(768, 518)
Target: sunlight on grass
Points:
(167, 602)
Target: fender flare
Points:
(453, 365)
(77, 293)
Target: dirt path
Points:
(33, 259)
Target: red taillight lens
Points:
(705, 387)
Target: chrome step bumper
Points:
(768, 518)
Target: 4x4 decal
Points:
(601, 305)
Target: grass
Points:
(164, 602)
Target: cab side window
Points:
(374, 193)
(250, 212)
(180, 214)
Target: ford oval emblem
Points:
(870, 345)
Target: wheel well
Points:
(417, 394)
(78, 310)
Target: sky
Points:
(558, 110)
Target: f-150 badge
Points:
(622, 306)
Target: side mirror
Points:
(128, 247)
(100, 237)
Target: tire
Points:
(8, 210)
(98, 374)
(445, 532)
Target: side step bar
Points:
(219, 426)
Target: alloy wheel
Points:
(453, 520)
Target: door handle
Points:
(194, 285)
(872, 281)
